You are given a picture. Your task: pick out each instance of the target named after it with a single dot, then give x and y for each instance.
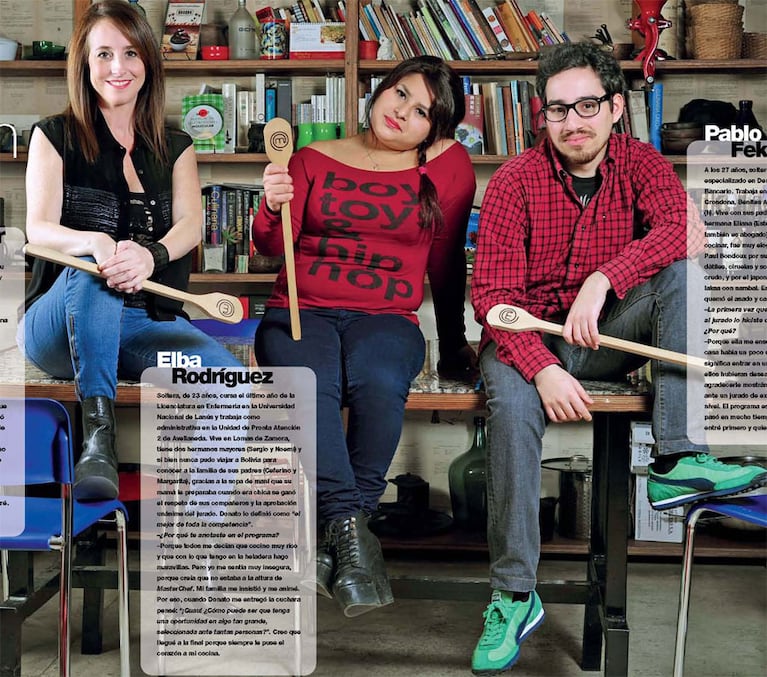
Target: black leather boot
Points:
(360, 582)
(96, 471)
(324, 566)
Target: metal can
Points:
(274, 39)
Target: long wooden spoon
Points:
(215, 304)
(511, 318)
(278, 138)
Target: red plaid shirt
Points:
(537, 243)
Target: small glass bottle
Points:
(746, 117)
(468, 483)
(243, 34)
(136, 6)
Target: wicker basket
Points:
(755, 45)
(715, 30)
(716, 14)
(693, 3)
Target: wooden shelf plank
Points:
(323, 66)
(707, 546)
(200, 67)
(529, 66)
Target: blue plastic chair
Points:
(53, 523)
(752, 509)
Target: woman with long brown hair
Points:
(372, 214)
(108, 182)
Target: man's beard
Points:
(582, 156)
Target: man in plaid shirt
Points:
(589, 229)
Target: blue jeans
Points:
(365, 362)
(79, 329)
(653, 313)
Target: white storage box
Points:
(664, 526)
(641, 446)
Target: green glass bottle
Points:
(468, 483)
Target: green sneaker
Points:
(507, 624)
(701, 476)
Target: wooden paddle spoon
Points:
(278, 138)
(511, 318)
(216, 305)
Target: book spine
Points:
(229, 94)
(656, 115)
(508, 112)
(497, 26)
(467, 28)
(372, 19)
(425, 35)
(284, 103)
(270, 99)
(243, 119)
(410, 36)
(389, 30)
(508, 19)
(474, 11)
(455, 44)
(527, 123)
(490, 116)
(458, 29)
(470, 132)
(516, 114)
(472, 27)
(214, 214)
(259, 101)
(503, 145)
(371, 30)
(532, 43)
(435, 32)
(637, 103)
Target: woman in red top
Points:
(372, 214)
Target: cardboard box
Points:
(317, 40)
(203, 120)
(642, 442)
(181, 37)
(664, 526)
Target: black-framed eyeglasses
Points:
(587, 107)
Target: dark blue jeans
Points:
(366, 363)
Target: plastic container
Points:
(215, 52)
(8, 49)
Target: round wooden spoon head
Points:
(508, 317)
(278, 138)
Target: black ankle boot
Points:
(360, 582)
(96, 471)
(321, 580)
(325, 564)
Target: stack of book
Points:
(643, 114)
(305, 11)
(241, 111)
(458, 29)
(504, 115)
(228, 210)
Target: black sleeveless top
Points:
(96, 198)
